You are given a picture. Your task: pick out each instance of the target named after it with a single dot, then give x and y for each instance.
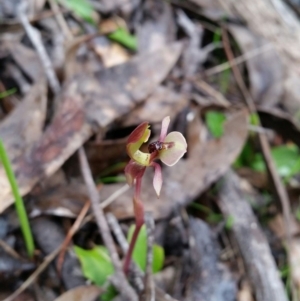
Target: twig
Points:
(48, 259)
(149, 283)
(120, 282)
(60, 19)
(70, 234)
(114, 196)
(9, 250)
(36, 40)
(278, 185)
(238, 60)
(108, 201)
(200, 84)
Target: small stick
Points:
(238, 60)
(36, 40)
(120, 282)
(70, 234)
(9, 250)
(60, 19)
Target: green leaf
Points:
(246, 156)
(140, 251)
(19, 203)
(217, 36)
(229, 222)
(7, 93)
(215, 123)
(82, 8)
(113, 179)
(286, 158)
(254, 119)
(110, 293)
(158, 258)
(95, 263)
(122, 36)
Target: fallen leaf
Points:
(65, 200)
(158, 29)
(161, 103)
(21, 129)
(111, 54)
(24, 126)
(81, 293)
(27, 60)
(265, 70)
(276, 224)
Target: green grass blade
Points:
(8, 93)
(23, 218)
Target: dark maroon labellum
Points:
(155, 146)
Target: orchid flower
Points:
(169, 149)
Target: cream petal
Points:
(172, 155)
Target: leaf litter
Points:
(91, 72)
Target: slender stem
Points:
(20, 207)
(128, 256)
(139, 221)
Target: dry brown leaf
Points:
(81, 293)
(111, 54)
(27, 60)
(24, 126)
(206, 162)
(21, 129)
(276, 224)
(158, 28)
(163, 102)
(65, 200)
(265, 70)
(88, 102)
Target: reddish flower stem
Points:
(139, 221)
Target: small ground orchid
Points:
(169, 149)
